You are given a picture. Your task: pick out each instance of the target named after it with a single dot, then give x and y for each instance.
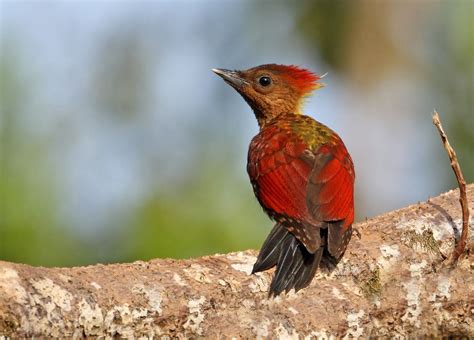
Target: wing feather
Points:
(309, 188)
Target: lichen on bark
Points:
(389, 283)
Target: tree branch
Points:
(386, 285)
(461, 244)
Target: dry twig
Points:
(461, 244)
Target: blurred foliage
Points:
(29, 232)
(322, 23)
(203, 215)
(455, 57)
(357, 39)
(352, 37)
(119, 85)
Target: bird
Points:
(301, 174)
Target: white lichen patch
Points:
(261, 328)
(196, 317)
(413, 289)
(440, 296)
(153, 295)
(292, 295)
(343, 268)
(442, 290)
(390, 254)
(354, 322)
(123, 322)
(179, 280)
(413, 302)
(243, 267)
(320, 275)
(337, 294)
(90, 318)
(139, 313)
(442, 231)
(259, 284)
(444, 286)
(282, 333)
(10, 285)
(96, 285)
(271, 303)
(351, 288)
(198, 273)
(244, 262)
(241, 257)
(119, 320)
(322, 334)
(248, 303)
(65, 278)
(416, 269)
(49, 303)
(58, 296)
(293, 311)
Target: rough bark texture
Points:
(390, 282)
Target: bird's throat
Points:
(265, 116)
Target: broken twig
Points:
(461, 244)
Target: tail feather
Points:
(338, 236)
(304, 278)
(295, 266)
(270, 250)
(290, 257)
(296, 269)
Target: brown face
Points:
(265, 90)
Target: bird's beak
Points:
(230, 77)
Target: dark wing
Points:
(330, 193)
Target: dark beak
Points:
(230, 77)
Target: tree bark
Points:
(391, 282)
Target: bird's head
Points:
(272, 89)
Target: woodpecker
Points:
(301, 173)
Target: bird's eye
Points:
(265, 81)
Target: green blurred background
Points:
(118, 143)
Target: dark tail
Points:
(296, 267)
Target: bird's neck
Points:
(264, 118)
(271, 110)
